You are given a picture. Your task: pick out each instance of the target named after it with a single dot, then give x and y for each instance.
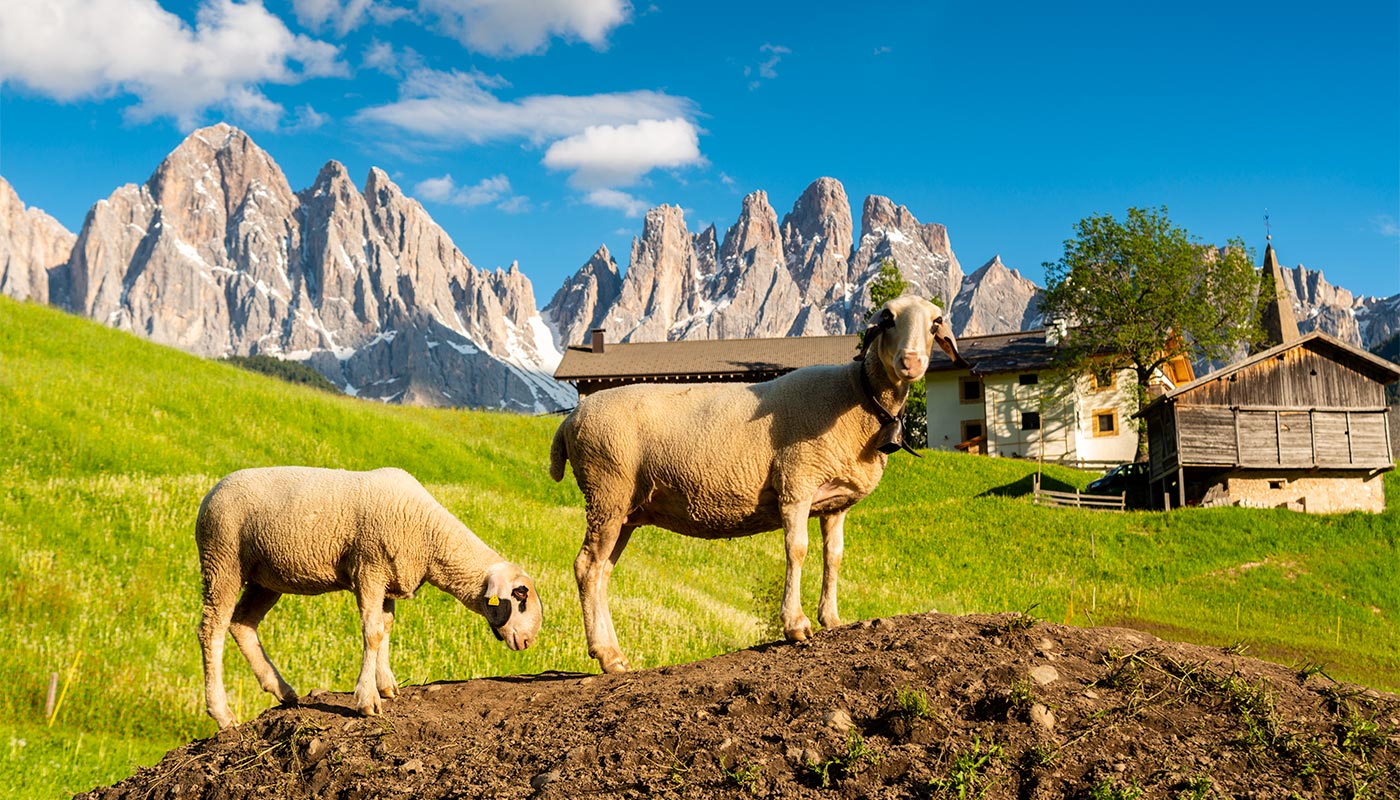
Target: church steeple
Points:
(1277, 319)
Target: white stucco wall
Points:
(1067, 416)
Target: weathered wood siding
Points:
(1297, 378)
(1232, 437)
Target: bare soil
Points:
(929, 705)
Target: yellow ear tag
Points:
(494, 601)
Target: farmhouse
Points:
(1302, 425)
(1016, 403)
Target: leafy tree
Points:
(1141, 292)
(886, 286)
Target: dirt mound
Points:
(918, 706)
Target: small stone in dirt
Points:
(1091, 694)
(436, 687)
(1045, 674)
(837, 720)
(810, 756)
(316, 750)
(792, 753)
(1043, 716)
(412, 765)
(317, 694)
(544, 779)
(1045, 646)
(1120, 767)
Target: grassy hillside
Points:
(108, 443)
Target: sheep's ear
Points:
(881, 323)
(521, 594)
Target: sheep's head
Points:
(903, 333)
(511, 605)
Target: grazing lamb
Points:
(300, 530)
(718, 461)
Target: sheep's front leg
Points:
(602, 546)
(833, 545)
(252, 607)
(384, 677)
(796, 626)
(371, 599)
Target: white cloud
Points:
(617, 155)
(70, 49)
(767, 68)
(382, 57)
(726, 180)
(511, 27)
(1385, 225)
(483, 192)
(622, 201)
(342, 16)
(307, 118)
(456, 107)
(883, 49)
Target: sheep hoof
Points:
(831, 622)
(369, 707)
(615, 665)
(389, 692)
(800, 632)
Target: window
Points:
(1030, 420)
(971, 429)
(969, 390)
(1030, 380)
(1103, 379)
(1106, 422)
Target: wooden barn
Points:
(1302, 425)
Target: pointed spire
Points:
(1279, 323)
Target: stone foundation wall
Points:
(1316, 492)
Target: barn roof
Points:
(1373, 367)
(706, 357)
(716, 358)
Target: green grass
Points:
(108, 443)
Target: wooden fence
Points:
(1078, 499)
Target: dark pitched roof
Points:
(1002, 352)
(710, 358)
(1374, 367)
(717, 358)
(1277, 319)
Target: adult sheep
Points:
(718, 461)
(379, 534)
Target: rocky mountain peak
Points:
(995, 299)
(580, 303)
(817, 240)
(32, 244)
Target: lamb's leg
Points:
(371, 598)
(602, 546)
(796, 626)
(252, 607)
(833, 545)
(220, 595)
(388, 687)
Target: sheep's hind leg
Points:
(602, 546)
(371, 599)
(796, 626)
(833, 545)
(252, 607)
(384, 677)
(220, 595)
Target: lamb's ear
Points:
(498, 585)
(882, 322)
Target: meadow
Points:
(108, 443)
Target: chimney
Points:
(599, 335)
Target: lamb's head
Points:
(902, 334)
(511, 605)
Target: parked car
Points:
(1129, 479)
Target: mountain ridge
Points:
(216, 254)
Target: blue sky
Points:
(534, 131)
